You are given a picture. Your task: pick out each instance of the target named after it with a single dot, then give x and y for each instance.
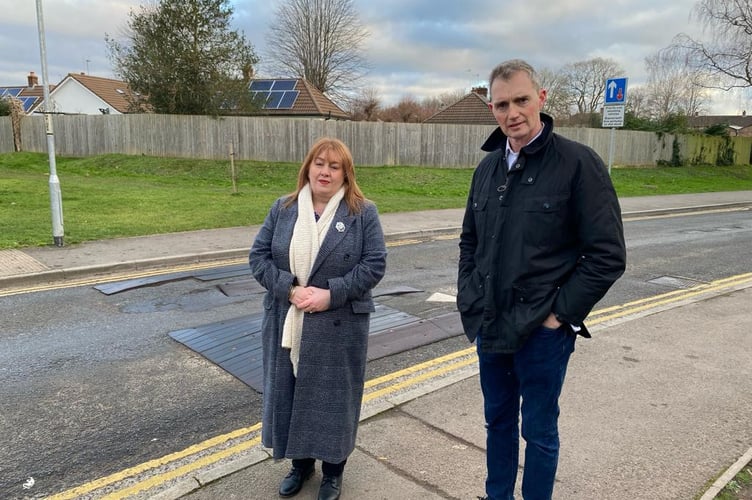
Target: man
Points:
(542, 241)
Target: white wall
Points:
(71, 97)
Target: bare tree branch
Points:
(586, 82)
(674, 86)
(727, 53)
(319, 40)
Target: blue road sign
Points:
(616, 91)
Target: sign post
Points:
(613, 110)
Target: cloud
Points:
(418, 48)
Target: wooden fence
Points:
(372, 143)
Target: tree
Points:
(183, 56)
(4, 106)
(637, 103)
(586, 82)
(319, 40)
(674, 86)
(366, 106)
(407, 110)
(727, 53)
(558, 100)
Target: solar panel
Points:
(288, 99)
(284, 85)
(261, 97)
(28, 102)
(273, 102)
(275, 94)
(257, 85)
(11, 91)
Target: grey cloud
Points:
(417, 47)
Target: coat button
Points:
(546, 205)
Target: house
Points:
(740, 125)
(29, 96)
(79, 93)
(470, 110)
(294, 97)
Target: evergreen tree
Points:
(183, 58)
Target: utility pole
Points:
(56, 199)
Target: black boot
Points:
(293, 482)
(331, 487)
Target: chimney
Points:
(481, 91)
(32, 79)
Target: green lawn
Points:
(116, 195)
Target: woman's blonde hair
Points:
(353, 195)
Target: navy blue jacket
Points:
(544, 237)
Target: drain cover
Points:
(675, 282)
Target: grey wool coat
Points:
(316, 414)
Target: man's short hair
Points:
(505, 70)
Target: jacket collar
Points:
(497, 140)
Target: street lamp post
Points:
(56, 199)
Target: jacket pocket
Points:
(480, 215)
(532, 303)
(470, 294)
(546, 220)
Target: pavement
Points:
(654, 406)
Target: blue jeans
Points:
(535, 374)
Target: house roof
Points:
(734, 121)
(470, 110)
(115, 93)
(30, 95)
(309, 102)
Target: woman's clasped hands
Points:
(310, 299)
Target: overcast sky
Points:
(420, 48)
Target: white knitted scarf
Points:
(307, 236)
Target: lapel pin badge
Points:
(340, 227)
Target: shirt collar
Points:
(509, 148)
(512, 156)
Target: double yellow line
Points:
(656, 302)
(115, 277)
(376, 388)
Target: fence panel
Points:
(288, 139)
(6, 135)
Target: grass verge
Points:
(117, 195)
(739, 488)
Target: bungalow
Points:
(79, 93)
(740, 125)
(470, 110)
(294, 97)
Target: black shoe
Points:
(331, 487)
(293, 482)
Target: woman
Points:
(318, 254)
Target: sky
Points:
(417, 48)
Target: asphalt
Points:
(655, 406)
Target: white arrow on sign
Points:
(611, 89)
